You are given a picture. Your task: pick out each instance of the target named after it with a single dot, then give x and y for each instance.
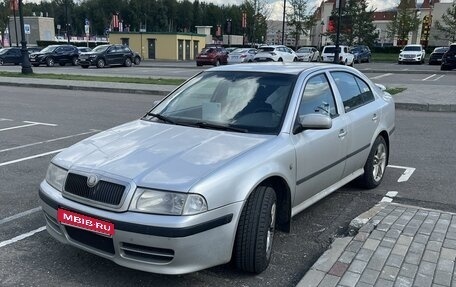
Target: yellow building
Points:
(161, 46)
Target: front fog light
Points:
(56, 176)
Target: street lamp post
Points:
(26, 67)
(283, 20)
(336, 53)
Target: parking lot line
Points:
(20, 237)
(30, 157)
(28, 124)
(1, 120)
(438, 78)
(48, 141)
(381, 76)
(407, 173)
(427, 78)
(19, 215)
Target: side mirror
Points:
(381, 87)
(313, 122)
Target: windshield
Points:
(101, 48)
(248, 101)
(49, 49)
(440, 50)
(304, 50)
(412, 48)
(3, 51)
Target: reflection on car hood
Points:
(163, 156)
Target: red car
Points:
(212, 56)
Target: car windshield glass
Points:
(250, 102)
(49, 49)
(240, 51)
(412, 48)
(303, 50)
(440, 50)
(330, 50)
(266, 49)
(100, 48)
(3, 51)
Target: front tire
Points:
(255, 232)
(374, 168)
(101, 63)
(127, 62)
(50, 62)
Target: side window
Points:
(318, 97)
(366, 92)
(353, 96)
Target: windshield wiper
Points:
(207, 125)
(163, 118)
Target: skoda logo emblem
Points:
(92, 180)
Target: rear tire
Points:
(1, 62)
(374, 168)
(137, 61)
(255, 231)
(74, 61)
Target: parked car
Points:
(275, 53)
(230, 49)
(345, 57)
(212, 55)
(362, 53)
(242, 55)
(449, 58)
(436, 56)
(11, 55)
(414, 53)
(61, 54)
(209, 173)
(107, 55)
(308, 54)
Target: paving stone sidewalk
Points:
(397, 245)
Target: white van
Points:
(345, 57)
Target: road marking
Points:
(19, 215)
(407, 173)
(381, 76)
(28, 124)
(436, 79)
(20, 237)
(48, 141)
(431, 76)
(386, 199)
(391, 193)
(30, 157)
(1, 120)
(389, 196)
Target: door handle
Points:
(374, 117)
(342, 133)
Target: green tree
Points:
(4, 13)
(300, 19)
(356, 27)
(406, 21)
(448, 25)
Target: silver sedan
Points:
(210, 172)
(241, 55)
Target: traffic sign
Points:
(27, 28)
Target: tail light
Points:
(243, 56)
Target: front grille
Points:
(91, 239)
(409, 56)
(103, 191)
(146, 253)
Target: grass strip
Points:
(150, 81)
(395, 90)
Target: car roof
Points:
(281, 68)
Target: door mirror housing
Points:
(313, 122)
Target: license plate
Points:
(203, 56)
(32, 60)
(85, 222)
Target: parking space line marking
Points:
(48, 141)
(381, 76)
(1, 120)
(20, 237)
(30, 157)
(431, 76)
(407, 173)
(38, 123)
(19, 215)
(436, 79)
(18, 127)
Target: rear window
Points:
(266, 49)
(330, 50)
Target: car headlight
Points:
(169, 203)
(56, 176)
(92, 56)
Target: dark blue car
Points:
(362, 54)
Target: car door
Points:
(320, 154)
(363, 113)
(112, 55)
(59, 54)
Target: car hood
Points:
(156, 155)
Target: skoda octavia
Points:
(210, 173)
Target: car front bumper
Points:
(410, 60)
(148, 242)
(87, 61)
